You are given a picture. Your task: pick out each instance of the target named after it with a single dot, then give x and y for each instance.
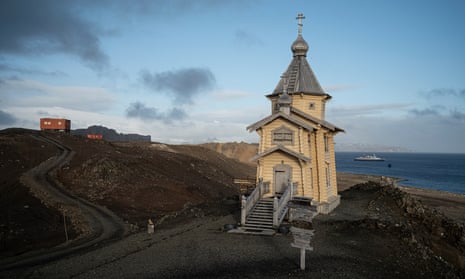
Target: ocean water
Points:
(445, 172)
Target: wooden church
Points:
(295, 157)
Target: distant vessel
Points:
(368, 158)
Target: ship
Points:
(368, 158)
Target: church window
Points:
(311, 106)
(283, 136)
(326, 143)
(328, 176)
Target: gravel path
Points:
(197, 249)
(102, 225)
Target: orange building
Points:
(55, 124)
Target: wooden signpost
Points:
(301, 215)
(302, 240)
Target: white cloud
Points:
(26, 93)
(365, 109)
(432, 133)
(230, 94)
(334, 88)
(193, 130)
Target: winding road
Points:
(104, 226)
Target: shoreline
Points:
(451, 204)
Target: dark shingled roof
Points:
(321, 122)
(301, 78)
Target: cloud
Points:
(444, 92)
(334, 88)
(366, 109)
(424, 112)
(440, 114)
(29, 93)
(183, 84)
(6, 118)
(49, 27)
(230, 94)
(247, 38)
(457, 115)
(432, 132)
(20, 70)
(141, 111)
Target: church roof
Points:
(301, 79)
(283, 149)
(274, 116)
(321, 122)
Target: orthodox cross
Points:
(299, 18)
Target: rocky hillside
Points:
(240, 151)
(25, 222)
(136, 180)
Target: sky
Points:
(198, 71)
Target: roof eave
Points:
(272, 117)
(282, 149)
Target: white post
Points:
(302, 258)
(243, 210)
(275, 212)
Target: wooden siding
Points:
(273, 159)
(302, 102)
(300, 142)
(313, 176)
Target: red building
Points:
(95, 136)
(55, 124)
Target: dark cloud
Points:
(247, 38)
(6, 118)
(443, 92)
(424, 112)
(47, 27)
(441, 114)
(141, 111)
(457, 115)
(172, 8)
(183, 84)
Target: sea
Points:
(444, 172)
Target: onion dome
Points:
(299, 46)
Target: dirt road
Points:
(98, 224)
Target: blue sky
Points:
(196, 71)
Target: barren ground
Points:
(188, 190)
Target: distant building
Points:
(95, 136)
(55, 124)
(296, 148)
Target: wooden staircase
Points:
(260, 218)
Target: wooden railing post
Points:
(275, 212)
(292, 188)
(243, 210)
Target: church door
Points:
(282, 176)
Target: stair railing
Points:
(247, 203)
(280, 205)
